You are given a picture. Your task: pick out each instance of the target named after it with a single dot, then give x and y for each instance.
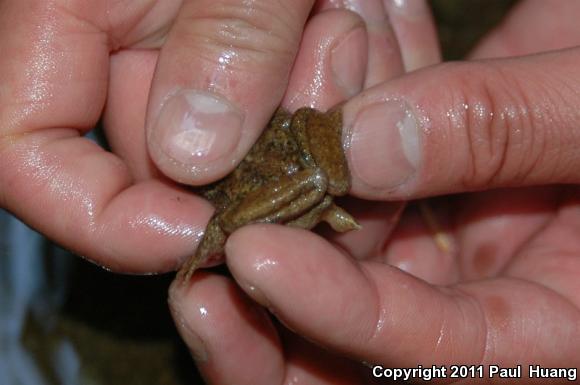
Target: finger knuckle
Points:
(556, 134)
(497, 126)
(249, 37)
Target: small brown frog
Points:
(290, 176)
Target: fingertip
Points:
(304, 281)
(186, 309)
(331, 63)
(220, 325)
(348, 61)
(383, 57)
(258, 258)
(195, 132)
(465, 126)
(262, 251)
(150, 227)
(384, 145)
(415, 29)
(216, 84)
(248, 263)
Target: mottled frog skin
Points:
(290, 176)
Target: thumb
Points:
(220, 75)
(467, 126)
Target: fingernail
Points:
(196, 127)
(371, 11)
(349, 61)
(408, 8)
(192, 340)
(257, 295)
(385, 145)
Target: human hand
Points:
(64, 62)
(506, 290)
(312, 82)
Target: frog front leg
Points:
(277, 202)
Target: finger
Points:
(551, 257)
(376, 313)
(467, 126)
(384, 57)
(130, 75)
(54, 88)
(221, 326)
(308, 363)
(131, 72)
(555, 27)
(220, 76)
(331, 64)
(415, 31)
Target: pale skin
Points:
(116, 208)
(506, 294)
(109, 208)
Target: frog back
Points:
(275, 154)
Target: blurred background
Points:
(66, 321)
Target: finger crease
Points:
(379, 317)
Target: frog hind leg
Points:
(339, 219)
(326, 211)
(313, 217)
(212, 244)
(278, 202)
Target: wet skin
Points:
(290, 176)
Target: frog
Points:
(290, 176)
